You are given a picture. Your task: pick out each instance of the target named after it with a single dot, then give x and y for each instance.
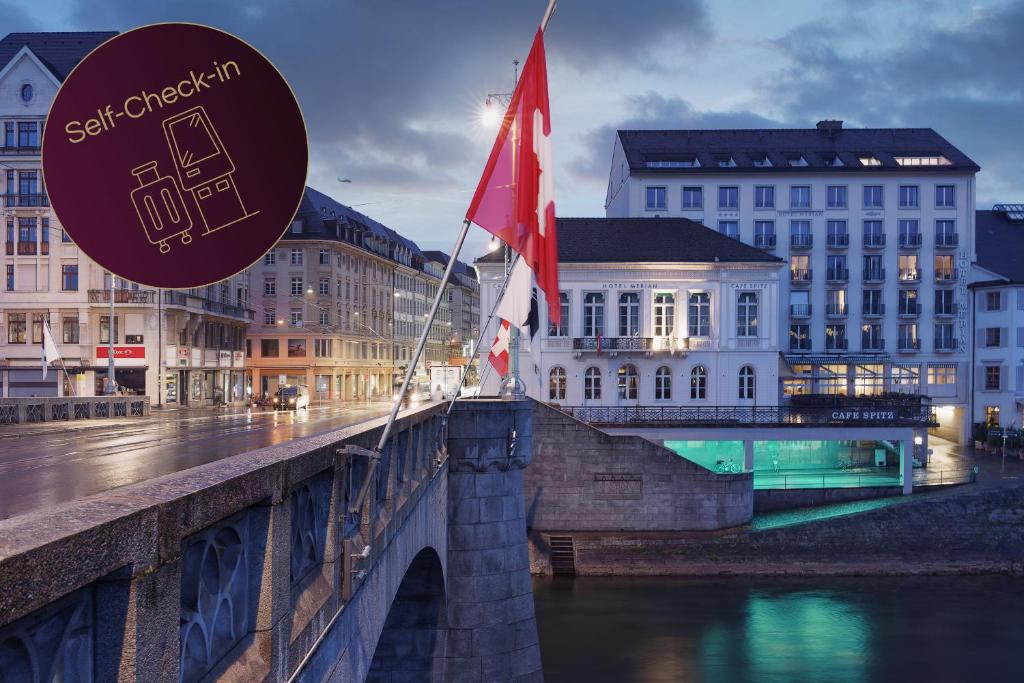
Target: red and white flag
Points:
(498, 356)
(515, 200)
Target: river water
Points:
(834, 630)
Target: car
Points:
(291, 398)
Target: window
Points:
(868, 160)
(270, 258)
(629, 382)
(325, 257)
(664, 314)
(800, 268)
(69, 277)
(871, 337)
(296, 288)
(945, 303)
(993, 377)
(269, 348)
(764, 234)
(873, 235)
(800, 197)
(993, 301)
(909, 233)
(561, 329)
(746, 383)
(992, 416)
(835, 337)
(761, 161)
(17, 328)
(908, 197)
(269, 287)
(325, 286)
(993, 336)
(932, 160)
(700, 315)
(945, 196)
(693, 197)
(872, 196)
(908, 268)
(800, 234)
(322, 348)
(105, 329)
(835, 302)
(800, 337)
(746, 315)
(70, 329)
(698, 383)
(685, 161)
(944, 340)
(729, 197)
(836, 270)
(941, 374)
(9, 136)
(908, 338)
(836, 198)
(296, 257)
(656, 198)
(873, 267)
(796, 160)
(593, 315)
(592, 384)
(325, 319)
(944, 268)
(729, 229)
(725, 161)
(872, 302)
(269, 317)
(28, 132)
(663, 384)
(764, 197)
(945, 233)
(908, 302)
(837, 235)
(629, 314)
(296, 319)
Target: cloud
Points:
(16, 19)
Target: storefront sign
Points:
(197, 358)
(121, 352)
(224, 359)
(183, 354)
(210, 358)
(864, 415)
(237, 359)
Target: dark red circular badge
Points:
(175, 155)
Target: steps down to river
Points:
(563, 555)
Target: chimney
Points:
(829, 126)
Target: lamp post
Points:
(110, 340)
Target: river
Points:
(834, 630)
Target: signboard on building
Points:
(224, 359)
(237, 359)
(121, 352)
(210, 358)
(197, 358)
(858, 415)
(183, 355)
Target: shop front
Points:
(129, 369)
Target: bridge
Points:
(310, 560)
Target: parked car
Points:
(291, 398)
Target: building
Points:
(195, 337)
(876, 227)
(998, 288)
(464, 302)
(655, 311)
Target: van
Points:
(291, 398)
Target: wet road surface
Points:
(42, 465)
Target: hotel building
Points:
(875, 226)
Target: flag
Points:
(498, 357)
(515, 198)
(50, 352)
(518, 304)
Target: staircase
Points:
(563, 555)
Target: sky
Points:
(392, 92)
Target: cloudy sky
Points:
(392, 91)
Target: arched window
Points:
(663, 384)
(746, 382)
(700, 315)
(746, 315)
(699, 383)
(556, 384)
(629, 382)
(629, 314)
(592, 384)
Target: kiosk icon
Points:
(204, 168)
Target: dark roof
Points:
(817, 146)
(460, 267)
(60, 52)
(645, 240)
(999, 245)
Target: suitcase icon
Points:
(160, 208)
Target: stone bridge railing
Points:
(229, 570)
(66, 408)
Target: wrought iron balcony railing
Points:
(946, 240)
(887, 414)
(123, 296)
(874, 241)
(797, 242)
(838, 241)
(36, 199)
(612, 343)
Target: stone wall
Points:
(582, 479)
(768, 500)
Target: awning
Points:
(836, 359)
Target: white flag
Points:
(519, 304)
(50, 352)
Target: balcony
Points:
(838, 241)
(876, 275)
(9, 248)
(764, 241)
(44, 248)
(909, 276)
(799, 344)
(800, 275)
(872, 344)
(835, 310)
(873, 311)
(945, 345)
(123, 296)
(910, 241)
(20, 150)
(909, 310)
(37, 199)
(26, 248)
(874, 241)
(945, 275)
(801, 242)
(799, 310)
(946, 311)
(947, 240)
(909, 344)
(837, 275)
(836, 344)
(612, 344)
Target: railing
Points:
(835, 310)
(9, 248)
(833, 344)
(25, 200)
(837, 275)
(226, 309)
(945, 275)
(908, 344)
(764, 241)
(872, 344)
(801, 241)
(26, 248)
(612, 343)
(945, 345)
(909, 310)
(946, 477)
(950, 310)
(874, 275)
(800, 275)
(799, 310)
(910, 241)
(123, 296)
(908, 276)
(838, 241)
(890, 414)
(28, 150)
(60, 408)
(799, 344)
(947, 240)
(874, 241)
(772, 481)
(874, 311)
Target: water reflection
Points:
(841, 630)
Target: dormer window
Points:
(868, 160)
(796, 160)
(725, 161)
(923, 160)
(27, 91)
(683, 161)
(761, 161)
(833, 160)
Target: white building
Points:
(195, 338)
(654, 312)
(999, 317)
(876, 227)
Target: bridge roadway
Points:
(44, 464)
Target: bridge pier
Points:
(492, 631)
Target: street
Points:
(45, 464)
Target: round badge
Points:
(175, 155)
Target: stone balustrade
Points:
(67, 408)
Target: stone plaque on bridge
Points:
(619, 485)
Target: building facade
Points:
(876, 228)
(998, 289)
(654, 312)
(193, 339)
(464, 304)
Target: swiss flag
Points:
(498, 356)
(515, 200)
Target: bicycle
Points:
(727, 467)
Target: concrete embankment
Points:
(971, 529)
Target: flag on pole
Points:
(515, 200)
(50, 352)
(498, 357)
(518, 304)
